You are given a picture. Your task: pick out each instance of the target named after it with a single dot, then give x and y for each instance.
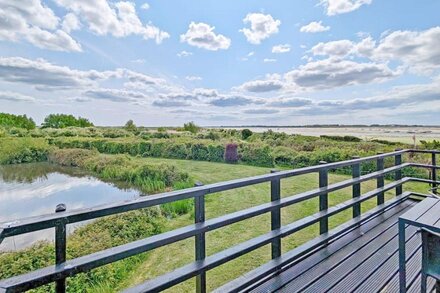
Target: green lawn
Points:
(166, 259)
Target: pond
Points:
(35, 189)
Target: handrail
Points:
(82, 264)
(31, 224)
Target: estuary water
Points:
(35, 189)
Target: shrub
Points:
(130, 126)
(20, 121)
(23, 150)
(191, 127)
(246, 133)
(342, 138)
(147, 177)
(231, 153)
(64, 120)
(257, 155)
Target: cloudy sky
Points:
(229, 62)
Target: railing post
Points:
(275, 215)
(323, 199)
(356, 173)
(380, 180)
(60, 247)
(434, 173)
(200, 245)
(398, 174)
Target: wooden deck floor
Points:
(363, 260)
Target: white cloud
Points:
(43, 75)
(314, 27)
(193, 78)
(281, 48)
(269, 60)
(262, 26)
(120, 21)
(294, 102)
(184, 54)
(116, 95)
(35, 23)
(335, 7)
(335, 72)
(202, 35)
(205, 92)
(70, 23)
(261, 86)
(145, 6)
(418, 50)
(339, 48)
(261, 111)
(15, 97)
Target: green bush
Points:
(23, 150)
(64, 120)
(19, 121)
(147, 177)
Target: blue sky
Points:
(222, 62)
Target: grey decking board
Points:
(324, 272)
(293, 272)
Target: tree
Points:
(64, 120)
(130, 126)
(191, 127)
(19, 121)
(246, 133)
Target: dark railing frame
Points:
(67, 268)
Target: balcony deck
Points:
(363, 260)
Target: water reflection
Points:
(35, 189)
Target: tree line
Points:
(51, 121)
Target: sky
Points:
(229, 62)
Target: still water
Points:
(35, 189)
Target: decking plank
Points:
(362, 245)
(357, 262)
(304, 268)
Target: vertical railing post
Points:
(434, 173)
(380, 181)
(60, 247)
(398, 174)
(323, 198)
(275, 215)
(356, 173)
(200, 244)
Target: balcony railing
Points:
(67, 268)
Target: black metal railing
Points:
(67, 268)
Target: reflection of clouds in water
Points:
(41, 189)
(26, 198)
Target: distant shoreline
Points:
(323, 126)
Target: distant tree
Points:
(161, 129)
(130, 126)
(19, 121)
(64, 120)
(191, 127)
(246, 133)
(231, 153)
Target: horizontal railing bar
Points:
(274, 265)
(168, 280)
(423, 151)
(427, 166)
(88, 262)
(47, 221)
